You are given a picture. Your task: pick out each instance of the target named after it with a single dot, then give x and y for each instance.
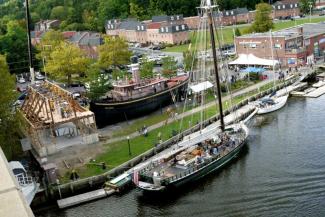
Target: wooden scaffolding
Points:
(48, 107)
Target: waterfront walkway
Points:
(12, 200)
(107, 131)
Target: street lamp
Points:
(310, 7)
(128, 138)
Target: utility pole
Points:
(30, 54)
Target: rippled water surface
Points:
(281, 172)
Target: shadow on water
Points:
(170, 197)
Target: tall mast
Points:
(208, 9)
(30, 54)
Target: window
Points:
(138, 27)
(177, 28)
(283, 6)
(277, 46)
(177, 17)
(171, 18)
(279, 7)
(142, 27)
(291, 6)
(252, 45)
(296, 5)
(227, 13)
(166, 29)
(183, 27)
(162, 29)
(232, 12)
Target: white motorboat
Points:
(27, 183)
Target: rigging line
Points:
(224, 63)
(187, 89)
(280, 65)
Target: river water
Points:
(281, 172)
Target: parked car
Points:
(21, 80)
(39, 76)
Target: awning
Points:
(251, 59)
(201, 86)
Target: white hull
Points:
(279, 103)
(27, 184)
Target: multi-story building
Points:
(234, 16)
(161, 29)
(292, 47)
(285, 8)
(87, 41)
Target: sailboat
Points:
(197, 156)
(273, 102)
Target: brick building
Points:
(285, 8)
(161, 29)
(292, 47)
(234, 16)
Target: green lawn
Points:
(159, 117)
(117, 153)
(227, 33)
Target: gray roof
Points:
(309, 30)
(87, 38)
(285, 5)
(165, 18)
(312, 29)
(129, 24)
(234, 12)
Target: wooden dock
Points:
(316, 93)
(83, 198)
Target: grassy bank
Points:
(227, 33)
(117, 153)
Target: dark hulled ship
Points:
(137, 97)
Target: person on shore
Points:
(74, 175)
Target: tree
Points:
(169, 65)
(49, 42)
(8, 118)
(189, 60)
(237, 32)
(263, 21)
(67, 60)
(135, 10)
(113, 52)
(98, 83)
(146, 68)
(14, 45)
(59, 12)
(305, 5)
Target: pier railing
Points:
(95, 181)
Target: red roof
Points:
(69, 34)
(153, 26)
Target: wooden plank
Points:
(83, 198)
